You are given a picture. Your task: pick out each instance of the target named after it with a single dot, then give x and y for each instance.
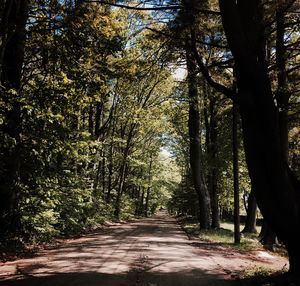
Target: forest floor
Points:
(147, 252)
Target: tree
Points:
(13, 22)
(235, 160)
(251, 209)
(246, 27)
(275, 192)
(75, 132)
(196, 157)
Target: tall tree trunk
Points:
(110, 163)
(214, 172)
(96, 181)
(13, 36)
(282, 94)
(91, 119)
(211, 149)
(120, 188)
(149, 186)
(275, 192)
(141, 208)
(103, 172)
(235, 159)
(195, 146)
(98, 118)
(146, 210)
(137, 205)
(122, 173)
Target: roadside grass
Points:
(223, 236)
(258, 275)
(253, 276)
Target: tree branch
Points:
(171, 7)
(157, 8)
(211, 44)
(219, 87)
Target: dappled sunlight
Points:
(155, 249)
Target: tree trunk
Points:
(12, 53)
(149, 187)
(137, 205)
(211, 149)
(250, 224)
(110, 163)
(96, 181)
(195, 146)
(276, 196)
(120, 188)
(282, 94)
(235, 159)
(103, 173)
(122, 173)
(91, 119)
(146, 211)
(214, 172)
(267, 236)
(98, 118)
(141, 208)
(215, 223)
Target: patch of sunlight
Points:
(264, 254)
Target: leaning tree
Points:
(247, 26)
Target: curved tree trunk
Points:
(275, 193)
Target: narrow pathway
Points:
(148, 252)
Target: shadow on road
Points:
(133, 278)
(147, 252)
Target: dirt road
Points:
(148, 252)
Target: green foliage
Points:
(96, 110)
(94, 92)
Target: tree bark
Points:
(267, 236)
(214, 172)
(146, 210)
(141, 208)
(103, 173)
(13, 37)
(250, 224)
(122, 173)
(110, 163)
(98, 118)
(235, 160)
(149, 187)
(282, 95)
(137, 205)
(91, 119)
(276, 196)
(211, 149)
(195, 146)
